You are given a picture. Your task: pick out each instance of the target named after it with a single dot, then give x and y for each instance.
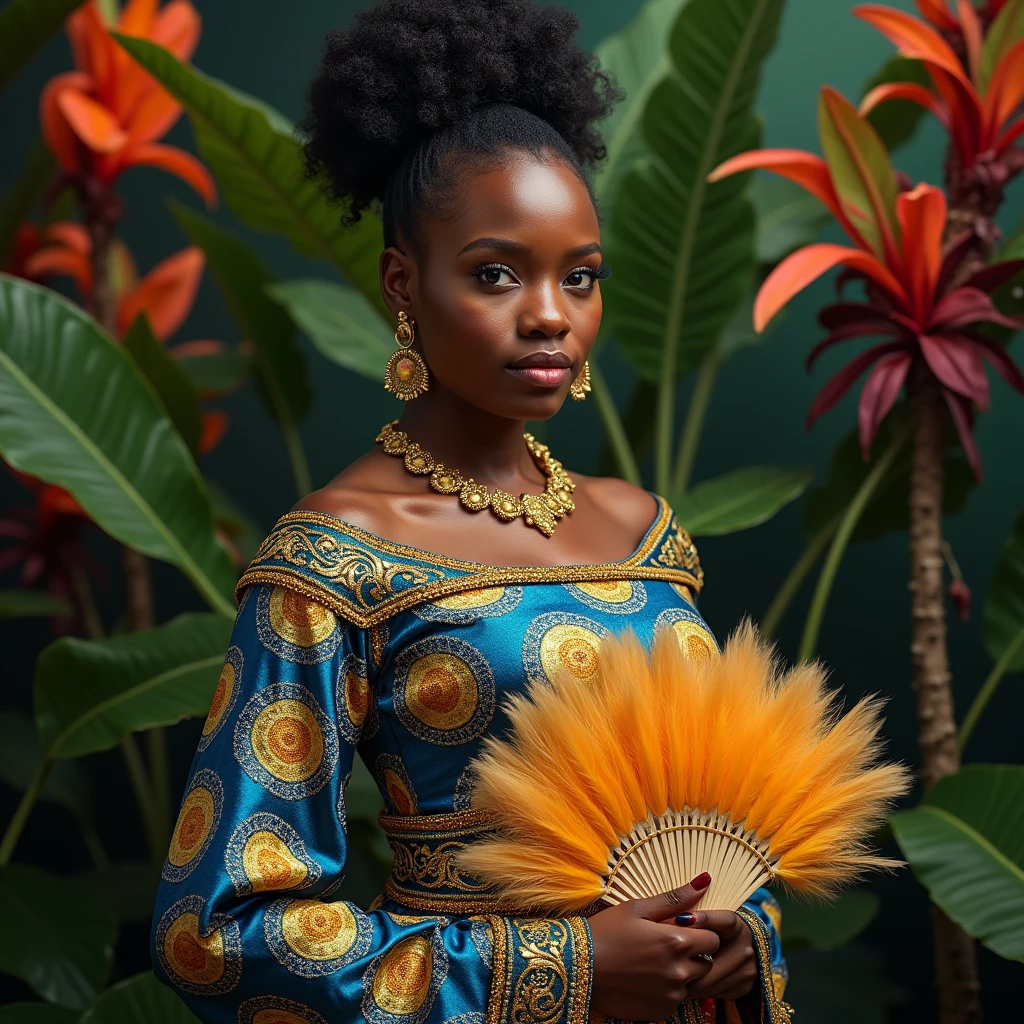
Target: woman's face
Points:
(506, 296)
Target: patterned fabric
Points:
(347, 643)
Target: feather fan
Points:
(662, 767)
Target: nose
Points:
(543, 314)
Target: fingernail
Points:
(685, 920)
(702, 881)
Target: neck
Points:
(477, 443)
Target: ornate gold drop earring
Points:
(406, 374)
(580, 387)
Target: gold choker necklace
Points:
(538, 510)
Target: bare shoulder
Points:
(631, 507)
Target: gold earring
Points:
(406, 374)
(580, 387)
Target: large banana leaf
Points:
(18, 604)
(827, 926)
(1004, 606)
(242, 278)
(787, 218)
(37, 1013)
(965, 843)
(340, 322)
(127, 888)
(74, 412)
(257, 160)
(66, 783)
(91, 693)
(683, 249)
(637, 58)
(140, 1000)
(57, 936)
(739, 500)
(25, 26)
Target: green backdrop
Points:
(269, 48)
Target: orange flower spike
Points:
(938, 14)
(138, 16)
(177, 28)
(177, 162)
(1005, 91)
(913, 93)
(92, 123)
(912, 37)
(60, 138)
(215, 425)
(166, 294)
(922, 216)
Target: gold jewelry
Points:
(541, 511)
(580, 387)
(406, 374)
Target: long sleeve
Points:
(246, 930)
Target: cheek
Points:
(462, 328)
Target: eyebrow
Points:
(507, 245)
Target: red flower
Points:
(898, 254)
(108, 114)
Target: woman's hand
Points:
(643, 968)
(735, 968)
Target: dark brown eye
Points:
(492, 275)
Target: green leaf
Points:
(91, 693)
(683, 249)
(34, 175)
(25, 27)
(828, 925)
(19, 604)
(787, 218)
(965, 843)
(37, 1013)
(889, 510)
(65, 784)
(637, 58)
(1003, 33)
(1004, 606)
(897, 121)
(257, 160)
(74, 412)
(242, 278)
(861, 170)
(57, 936)
(127, 888)
(214, 373)
(169, 381)
(739, 500)
(340, 322)
(139, 1000)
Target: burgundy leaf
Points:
(834, 390)
(960, 595)
(995, 276)
(969, 306)
(957, 364)
(960, 248)
(864, 329)
(963, 419)
(841, 313)
(999, 359)
(880, 392)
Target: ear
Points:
(397, 279)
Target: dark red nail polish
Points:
(702, 881)
(685, 920)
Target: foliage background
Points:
(269, 49)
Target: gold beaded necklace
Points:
(541, 511)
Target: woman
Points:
(471, 122)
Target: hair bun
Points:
(407, 68)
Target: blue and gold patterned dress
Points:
(348, 643)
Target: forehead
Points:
(524, 198)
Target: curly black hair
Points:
(413, 82)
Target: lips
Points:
(544, 369)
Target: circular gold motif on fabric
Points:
(277, 1010)
(402, 980)
(221, 698)
(570, 647)
(695, 641)
(478, 598)
(612, 591)
(357, 697)
(319, 931)
(298, 620)
(287, 741)
(278, 1017)
(198, 960)
(441, 691)
(195, 819)
(207, 964)
(402, 800)
(269, 864)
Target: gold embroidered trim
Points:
(448, 903)
(443, 825)
(501, 978)
(778, 1011)
(582, 968)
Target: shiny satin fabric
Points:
(347, 644)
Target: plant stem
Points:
(21, 814)
(93, 844)
(989, 687)
(613, 427)
(297, 458)
(792, 583)
(664, 423)
(143, 790)
(847, 524)
(689, 440)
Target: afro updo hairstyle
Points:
(417, 92)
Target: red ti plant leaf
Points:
(879, 395)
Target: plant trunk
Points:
(956, 970)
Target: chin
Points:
(536, 407)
